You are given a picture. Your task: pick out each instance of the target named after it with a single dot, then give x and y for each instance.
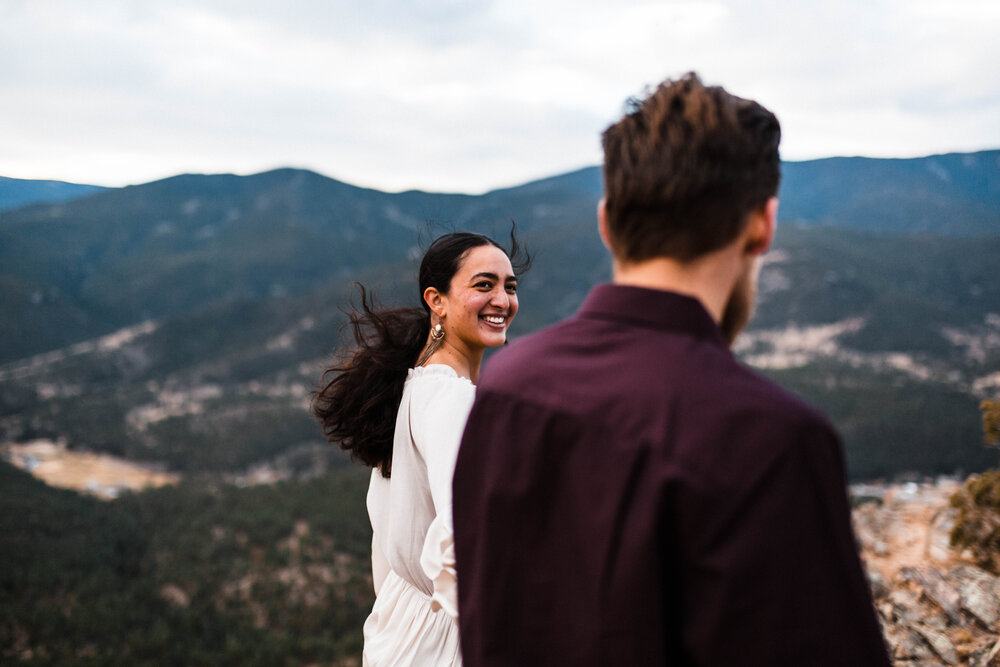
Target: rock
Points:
(940, 643)
(908, 645)
(870, 527)
(979, 593)
(937, 620)
(934, 606)
(937, 588)
(977, 653)
(939, 534)
(905, 606)
(992, 658)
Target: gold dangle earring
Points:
(437, 336)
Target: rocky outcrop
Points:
(936, 607)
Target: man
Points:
(627, 493)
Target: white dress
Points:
(414, 619)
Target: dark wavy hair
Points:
(360, 392)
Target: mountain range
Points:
(185, 321)
(16, 192)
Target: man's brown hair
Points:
(684, 168)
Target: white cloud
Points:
(464, 96)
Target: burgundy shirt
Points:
(628, 493)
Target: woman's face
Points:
(481, 300)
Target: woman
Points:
(399, 402)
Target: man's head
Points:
(684, 169)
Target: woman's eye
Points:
(512, 288)
(483, 284)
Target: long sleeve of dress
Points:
(438, 419)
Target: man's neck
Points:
(709, 278)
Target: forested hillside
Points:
(203, 573)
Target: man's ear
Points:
(763, 222)
(602, 222)
(435, 301)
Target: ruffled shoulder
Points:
(439, 403)
(437, 371)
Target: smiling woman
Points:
(475, 311)
(398, 400)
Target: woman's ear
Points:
(435, 301)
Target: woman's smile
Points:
(498, 321)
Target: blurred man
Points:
(627, 492)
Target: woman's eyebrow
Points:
(494, 277)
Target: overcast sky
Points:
(467, 95)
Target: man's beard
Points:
(739, 307)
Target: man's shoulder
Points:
(523, 355)
(751, 390)
(745, 429)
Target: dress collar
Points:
(438, 370)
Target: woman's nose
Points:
(500, 299)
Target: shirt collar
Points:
(651, 308)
